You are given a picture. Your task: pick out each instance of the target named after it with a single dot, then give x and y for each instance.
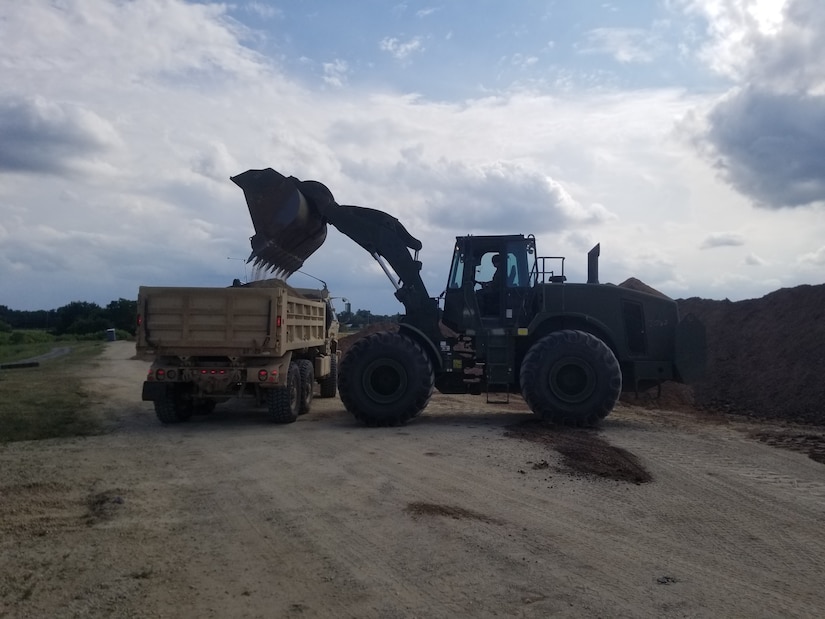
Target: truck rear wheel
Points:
(386, 379)
(329, 384)
(284, 402)
(571, 378)
(307, 372)
(174, 406)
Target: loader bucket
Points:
(288, 226)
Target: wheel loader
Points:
(570, 349)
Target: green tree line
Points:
(361, 318)
(84, 318)
(75, 318)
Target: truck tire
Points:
(571, 378)
(329, 384)
(307, 372)
(284, 403)
(386, 379)
(173, 406)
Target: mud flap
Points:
(154, 391)
(691, 349)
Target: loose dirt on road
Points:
(471, 510)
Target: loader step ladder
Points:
(498, 369)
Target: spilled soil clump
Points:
(583, 451)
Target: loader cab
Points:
(489, 278)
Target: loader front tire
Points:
(571, 378)
(283, 403)
(307, 372)
(386, 379)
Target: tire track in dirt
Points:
(351, 555)
(749, 523)
(509, 545)
(697, 513)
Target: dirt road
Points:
(472, 510)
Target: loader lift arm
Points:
(290, 218)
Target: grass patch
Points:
(49, 401)
(19, 345)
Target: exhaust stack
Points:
(593, 264)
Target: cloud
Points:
(722, 239)
(625, 45)
(771, 146)
(765, 135)
(753, 260)
(264, 10)
(816, 258)
(401, 50)
(734, 28)
(523, 61)
(335, 72)
(493, 197)
(39, 135)
(215, 162)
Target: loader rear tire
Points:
(386, 379)
(571, 378)
(283, 403)
(329, 384)
(307, 372)
(174, 406)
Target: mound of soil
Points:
(345, 342)
(765, 357)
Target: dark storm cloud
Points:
(41, 136)
(771, 147)
(768, 135)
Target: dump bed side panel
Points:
(227, 321)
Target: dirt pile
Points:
(346, 341)
(766, 357)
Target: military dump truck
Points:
(264, 340)
(570, 349)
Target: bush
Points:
(5, 327)
(25, 336)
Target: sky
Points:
(685, 136)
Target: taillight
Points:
(160, 374)
(263, 375)
(139, 320)
(278, 321)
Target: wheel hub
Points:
(384, 380)
(572, 380)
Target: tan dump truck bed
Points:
(232, 322)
